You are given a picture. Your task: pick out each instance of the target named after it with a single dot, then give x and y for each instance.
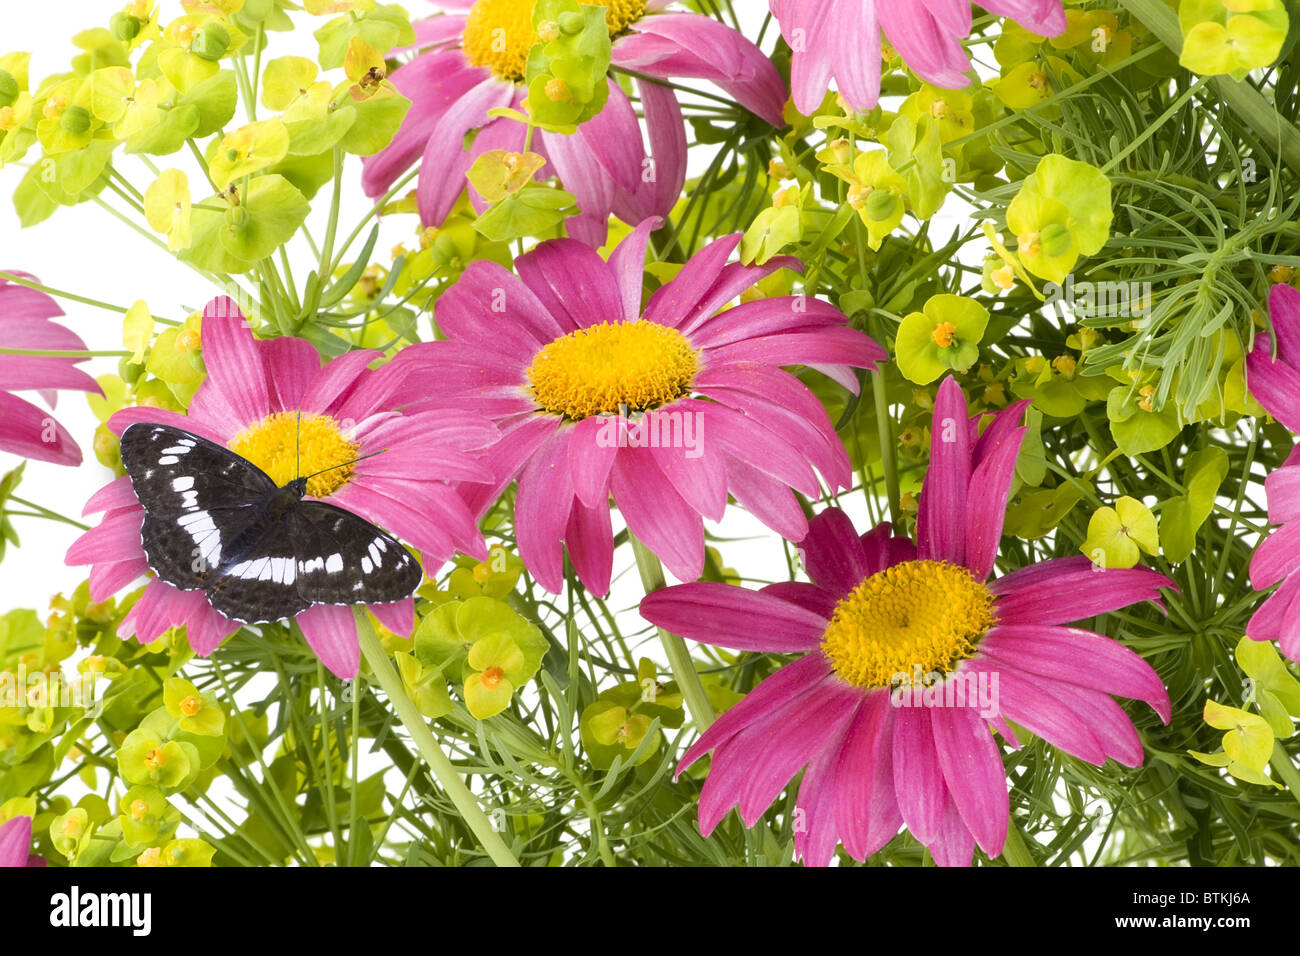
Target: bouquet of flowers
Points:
(875, 418)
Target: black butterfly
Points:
(216, 522)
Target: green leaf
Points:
(535, 210)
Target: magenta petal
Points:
(290, 366)
(1277, 557)
(126, 417)
(766, 499)
(107, 578)
(31, 432)
(116, 538)
(793, 682)
(941, 521)
(590, 540)
(884, 550)
(486, 297)
(1078, 657)
(673, 302)
(1026, 700)
(918, 779)
(205, 627)
(331, 384)
(398, 617)
(507, 458)
(1274, 384)
(235, 369)
(573, 282)
(591, 456)
(954, 845)
(542, 510)
(988, 507)
(627, 262)
(808, 596)
(331, 631)
(1275, 621)
(15, 841)
(972, 770)
(700, 478)
(858, 74)
(667, 129)
(729, 616)
(800, 739)
(816, 829)
(833, 553)
(1284, 316)
(656, 513)
(442, 173)
(856, 775)
(1283, 489)
(1064, 590)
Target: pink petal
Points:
(972, 771)
(656, 513)
(918, 778)
(331, 632)
(729, 616)
(941, 521)
(1065, 590)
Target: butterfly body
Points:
(216, 522)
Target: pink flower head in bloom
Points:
(272, 401)
(669, 408)
(840, 40)
(881, 748)
(15, 841)
(473, 62)
(26, 429)
(1275, 384)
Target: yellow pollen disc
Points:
(155, 758)
(191, 705)
(319, 444)
(635, 366)
(499, 33)
(491, 677)
(139, 809)
(917, 614)
(944, 334)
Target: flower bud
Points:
(125, 27)
(212, 42)
(75, 120)
(8, 88)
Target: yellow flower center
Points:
(139, 809)
(155, 759)
(286, 448)
(944, 334)
(491, 677)
(150, 857)
(916, 614)
(499, 33)
(635, 366)
(191, 705)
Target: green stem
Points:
(60, 294)
(1284, 768)
(427, 745)
(42, 512)
(1015, 851)
(679, 658)
(885, 430)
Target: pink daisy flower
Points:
(881, 619)
(840, 40)
(668, 408)
(473, 61)
(26, 429)
(1275, 384)
(273, 403)
(15, 842)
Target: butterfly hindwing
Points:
(353, 561)
(259, 583)
(215, 521)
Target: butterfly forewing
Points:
(215, 521)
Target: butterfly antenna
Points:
(297, 445)
(345, 464)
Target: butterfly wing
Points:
(198, 498)
(259, 583)
(344, 559)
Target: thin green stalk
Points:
(679, 658)
(43, 512)
(1244, 100)
(428, 746)
(889, 463)
(1015, 851)
(60, 294)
